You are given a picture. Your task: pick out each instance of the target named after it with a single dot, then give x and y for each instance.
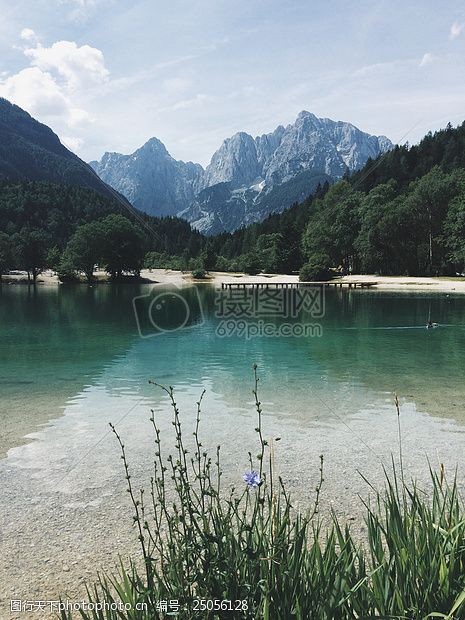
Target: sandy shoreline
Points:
(178, 278)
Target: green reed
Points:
(201, 541)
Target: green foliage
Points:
(197, 267)
(56, 209)
(201, 541)
(31, 247)
(112, 241)
(417, 551)
(428, 199)
(333, 227)
(54, 258)
(454, 229)
(316, 269)
(6, 253)
(250, 263)
(171, 235)
(162, 260)
(391, 230)
(225, 264)
(270, 251)
(445, 148)
(122, 246)
(84, 250)
(199, 273)
(290, 224)
(59, 210)
(207, 256)
(67, 271)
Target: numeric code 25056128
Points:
(216, 604)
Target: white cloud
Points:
(174, 86)
(199, 99)
(79, 67)
(73, 143)
(76, 116)
(27, 34)
(456, 30)
(427, 59)
(57, 82)
(392, 66)
(81, 9)
(36, 91)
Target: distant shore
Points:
(179, 278)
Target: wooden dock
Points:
(291, 285)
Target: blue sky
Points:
(107, 75)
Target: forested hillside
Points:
(403, 213)
(30, 151)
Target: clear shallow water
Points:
(55, 342)
(74, 355)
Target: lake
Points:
(73, 358)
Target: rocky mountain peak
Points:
(234, 162)
(154, 146)
(248, 169)
(306, 118)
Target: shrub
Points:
(154, 260)
(250, 263)
(224, 264)
(197, 268)
(317, 268)
(199, 273)
(162, 260)
(66, 271)
(54, 258)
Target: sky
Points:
(107, 75)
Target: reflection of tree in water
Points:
(58, 339)
(68, 321)
(379, 340)
(371, 339)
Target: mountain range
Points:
(247, 179)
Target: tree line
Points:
(48, 226)
(112, 242)
(402, 214)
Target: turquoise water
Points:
(56, 342)
(74, 358)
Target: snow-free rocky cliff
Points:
(247, 178)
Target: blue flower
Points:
(252, 478)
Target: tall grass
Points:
(253, 556)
